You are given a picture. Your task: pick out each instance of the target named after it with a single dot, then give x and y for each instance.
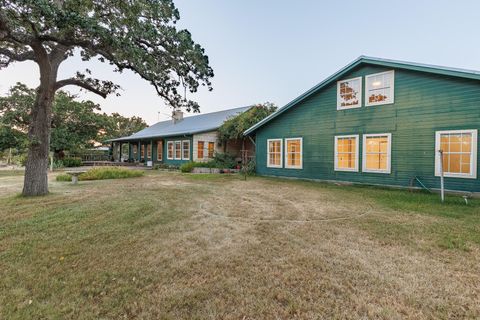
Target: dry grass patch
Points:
(178, 246)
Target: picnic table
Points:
(75, 175)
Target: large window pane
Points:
(379, 88)
(346, 153)
(294, 153)
(457, 149)
(274, 156)
(349, 93)
(376, 153)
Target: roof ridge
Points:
(446, 71)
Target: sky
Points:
(274, 50)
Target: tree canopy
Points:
(75, 124)
(117, 126)
(139, 35)
(234, 127)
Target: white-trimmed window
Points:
(379, 88)
(178, 150)
(293, 153)
(459, 153)
(349, 93)
(170, 150)
(377, 150)
(346, 153)
(274, 153)
(186, 150)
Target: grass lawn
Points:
(179, 246)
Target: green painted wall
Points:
(424, 103)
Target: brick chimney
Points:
(177, 115)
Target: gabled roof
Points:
(454, 72)
(187, 126)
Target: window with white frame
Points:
(274, 153)
(346, 153)
(349, 93)
(379, 88)
(170, 150)
(185, 150)
(293, 153)
(459, 149)
(178, 150)
(377, 153)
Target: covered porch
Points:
(145, 151)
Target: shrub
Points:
(110, 173)
(72, 162)
(63, 177)
(188, 167)
(224, 161)
(249, 168)
(104, 173)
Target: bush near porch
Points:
(104, 173)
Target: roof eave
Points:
(369, 60)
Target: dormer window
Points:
(379, 88)
(349, 93)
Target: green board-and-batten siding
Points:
(424, 103)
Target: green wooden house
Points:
(178, 140)
(380, 122)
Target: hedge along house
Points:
(379, 122)
(176, 141)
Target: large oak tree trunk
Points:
(36, 168)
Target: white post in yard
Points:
(442, 186)
(51, 161)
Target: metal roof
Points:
(187, 126)
(455, 72)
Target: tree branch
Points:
(29, 55)
(101, 88)
(81, 84)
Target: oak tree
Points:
(136, 35)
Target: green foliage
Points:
(139, 35)
(104, 173)
(72, 162)
(76, 125)
(224, 161)
(63, 178)
(116, 125)
(188, 167)
(220, 161)
(234, 127)
(249, 168)
(57, 163)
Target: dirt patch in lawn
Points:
(146, 248)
